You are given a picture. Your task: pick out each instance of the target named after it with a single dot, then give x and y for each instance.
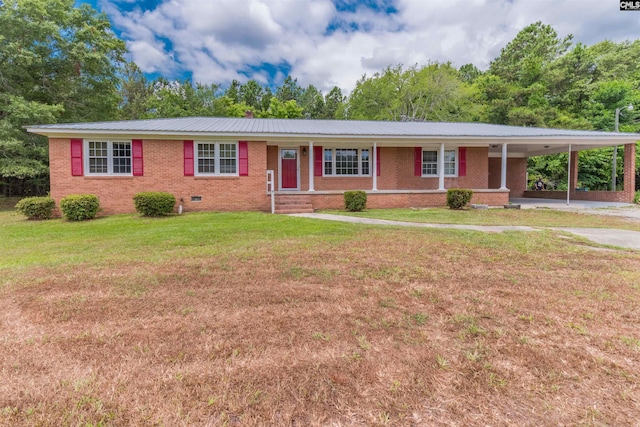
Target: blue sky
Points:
(334, 42)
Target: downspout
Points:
(569, 175)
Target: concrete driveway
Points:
(604, 236)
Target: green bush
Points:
(355, 201)
(78, 207)
(636, 199)
(457, 198)
(154, 203)
(36, 207)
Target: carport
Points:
(508, 165)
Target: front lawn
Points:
(256, 319)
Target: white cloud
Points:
(221, 40)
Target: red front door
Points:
(289, 168)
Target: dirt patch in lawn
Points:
(391, 327)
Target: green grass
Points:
(530, 217)
(125, 238)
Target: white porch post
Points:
(441, 167)
(503, 174)
(374, 167)
(311, 166)
(569, 175)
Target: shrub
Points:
(355, 201)
(78, 207)
(457, 198)
(36, 207)
(154, 203)
(636, 199)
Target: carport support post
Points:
(311, 166)
(503, 172)
(569, 180)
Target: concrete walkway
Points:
(605, 236)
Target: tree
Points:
(251, 93)
(312, 102)
(57, 63)
(290, 90)
(434, 92)
(334, 103)
(283, 110)
(233, 91)
(182, 99)
(469, 73)
(524, 58)
(134, 92)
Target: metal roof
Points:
(247, 127)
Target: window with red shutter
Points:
(188, 158)
(76, 157)
(136, 154)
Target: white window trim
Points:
(110, 142)
(456, 162)
(333, 161)
(216, 158)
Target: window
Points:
(216, 158)
(108, 157)
(430, 162)
(346, 161)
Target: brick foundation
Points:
(386, 200)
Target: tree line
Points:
(60, 63)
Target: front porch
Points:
(308, 201)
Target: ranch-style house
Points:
(234, 164)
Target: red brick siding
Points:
(516, 174)
(594, 196)
(405, 200)
(164, 171)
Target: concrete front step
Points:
(293, 200)
(293, 203)
(288, 209)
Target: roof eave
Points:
(70, 133)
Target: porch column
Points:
(574, 170)
(629, 172)
(441, 168)
(503, 171)
(569, 174)
(311, 166)
(374, 167)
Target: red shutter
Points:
(243, 155)
(317, 161)
(136, 154)
(378, 161)
(76, 157)
(462, 161)
(417, 161)
(188, 158)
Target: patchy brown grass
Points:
(386, 327)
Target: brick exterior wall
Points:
(396, 172)
(406, 200)
(516, 175)
(164, 171)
